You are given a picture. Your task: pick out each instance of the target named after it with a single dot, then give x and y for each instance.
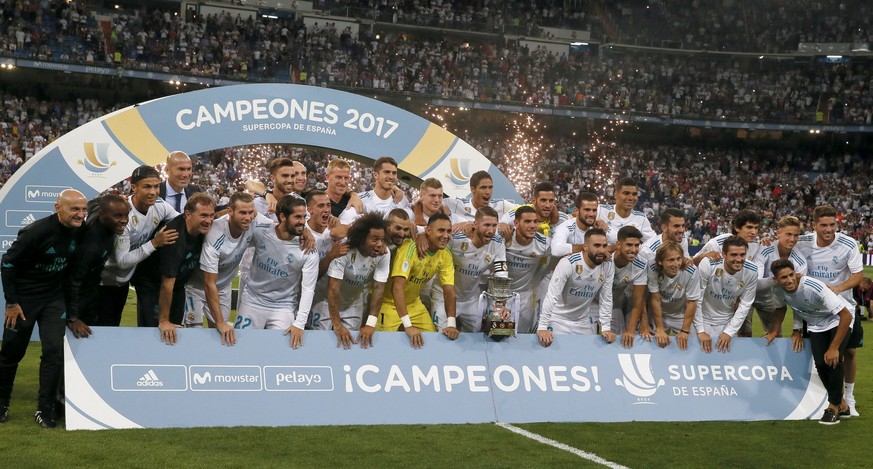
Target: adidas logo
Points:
(150, 380)
(50, 250)
(28, 219)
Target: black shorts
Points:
(856, 335)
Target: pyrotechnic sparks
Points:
(604, 167)
(524, 152)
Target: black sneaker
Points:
(4, 413)
(829, 418)
(847, 413)
(44, 419)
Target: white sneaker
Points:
(850, 401)
(852, 411)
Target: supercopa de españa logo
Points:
(459, 171)
(97, 160)
(637, 376)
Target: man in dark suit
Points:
(177, 188)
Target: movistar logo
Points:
(202, 378)
(97, 158)
(459, 171)
(638, 379)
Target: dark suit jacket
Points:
(189, 191)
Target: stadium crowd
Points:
(771, 27)
(287, 50)
(768, 27)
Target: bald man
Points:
(177, 188)
(33, 272)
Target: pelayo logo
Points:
(97, 158)
(637, 376)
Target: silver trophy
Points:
(498, 321)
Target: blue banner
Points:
(106, 150)
(127, 378)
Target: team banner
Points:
(102, 152)
(127, 378)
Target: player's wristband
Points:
(406, 321)
(683, 331)
(450, 322)
(371, 321)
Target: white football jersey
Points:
(832, 264)
(463, 209)
(572, 290)
(649, 248)
(133, 246)
(509, 219)
(474, 265)
(565, 236)
(222, 252)
(372, 203)
(715, 245)
(675, 291)
(357, 272)
(615, 222)
(281, 275)
(727, 298)
(814, 303)
(764, 298)
(633, 273)
(526, 264)
(323, 245)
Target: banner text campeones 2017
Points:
(278, 108)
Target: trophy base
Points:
(498, 329)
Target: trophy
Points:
(499, 306)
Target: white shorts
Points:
(714, 330)
(468, 316)
(196, 306)
(673, 324)
(255, 317)
(245, 266)
(351, 320)
(437, 303)
(528, 312)
(586, 326)
(318, 315)
(619, 320)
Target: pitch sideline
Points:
(548, 441)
